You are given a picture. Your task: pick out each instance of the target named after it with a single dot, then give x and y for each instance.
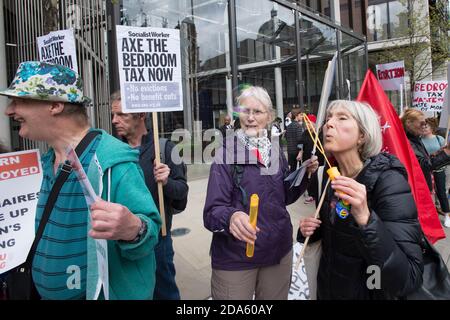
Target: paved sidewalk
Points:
(192, 259)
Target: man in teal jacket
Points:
(48, 103)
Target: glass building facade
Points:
(278, 45)
(386, 19)
(381, 21)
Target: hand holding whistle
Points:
(254, 203)
(354, 198)
(333, 172)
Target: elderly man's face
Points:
(33, 115)
(125, 123)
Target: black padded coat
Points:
(427, 163)
(389, 241)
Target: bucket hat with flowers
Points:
(46, 81)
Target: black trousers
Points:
(292, 161)
(439, 184)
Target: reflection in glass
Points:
(353, 65)
(386, 19)
(358, 17)
(318, 44)
(398, 19)
(262, 28)
(377, 22)
(208, 16)
(266, 35)
(346, 11)
(348, 42)
(317, 38)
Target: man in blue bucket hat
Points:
(48, 102)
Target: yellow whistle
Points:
(333, 172)
(254, 202)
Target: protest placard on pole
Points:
(149, 69)
(428, 96)
(20, 182)
(391, 75)
(158, 161)
(58, 47)
(444, 120)
(150, 78)
(325, 95)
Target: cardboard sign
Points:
(429, 95)
(58, 47)
(443, 122)
(391, 75)
(149, 69)
(299, 289)
(20, 182)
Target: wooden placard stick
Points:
(316, 215)
(448, 128)
(158, 161)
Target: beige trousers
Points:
(266, 283)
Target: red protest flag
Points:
(396, 142)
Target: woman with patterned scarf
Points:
(249, 163)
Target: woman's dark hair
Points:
(433, 123)
(237, 124)
(295, 112)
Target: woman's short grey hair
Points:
(368, 124)
(259, 94)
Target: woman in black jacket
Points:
(414, 122)
(374, 252)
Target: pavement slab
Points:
(192, 260)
